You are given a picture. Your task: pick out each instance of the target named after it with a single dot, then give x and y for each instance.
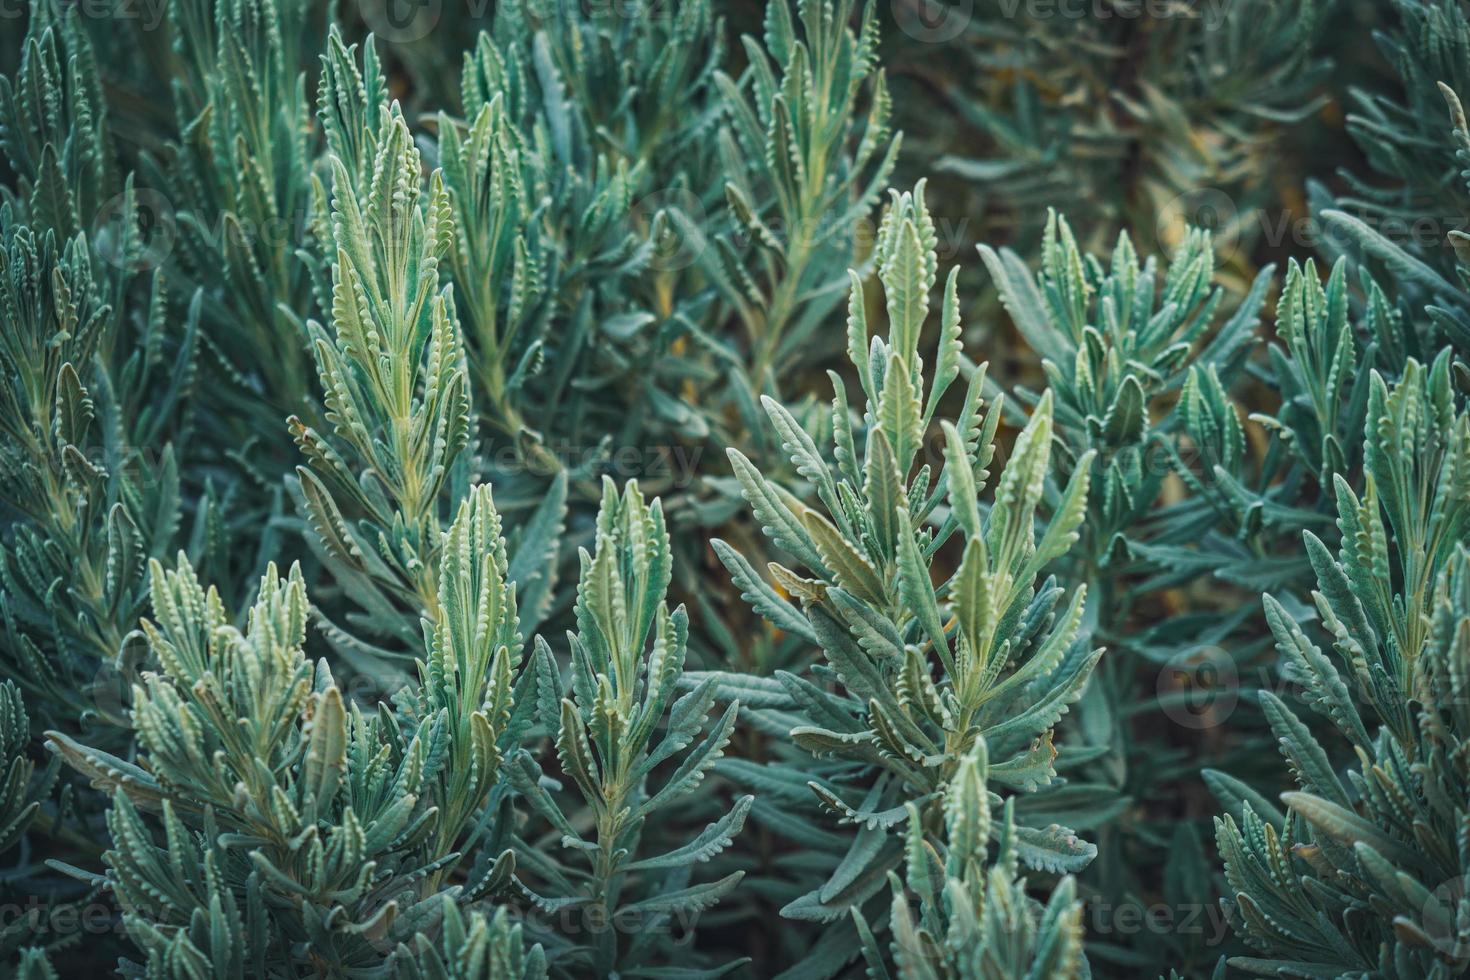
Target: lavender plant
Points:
(421, 304)
(913, 674)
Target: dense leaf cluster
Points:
(701, 560)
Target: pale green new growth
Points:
(1395, 602)
(295, 284)
(923, 672)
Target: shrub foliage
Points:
(703, 558)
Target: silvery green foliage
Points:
(326, 239)
(549, 240)
(33, 965)
(1364, 872)
(395, 378)
(638, 76)
(548, 252)
(913, 673)
(17, 809)
(1260, 501)
(570, 156)
(75, 524)
(469, 947)
(1117, 336)
(634, 750)
(1321, 366)
(1317, 366)
(240, 179)
(392, 365)
(499, 261)
(972, 917)
(1401, 226)
(97, 378)
(1139, 356)
(268, 825)
(603, 286)
(53, 126)
(804, 166)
